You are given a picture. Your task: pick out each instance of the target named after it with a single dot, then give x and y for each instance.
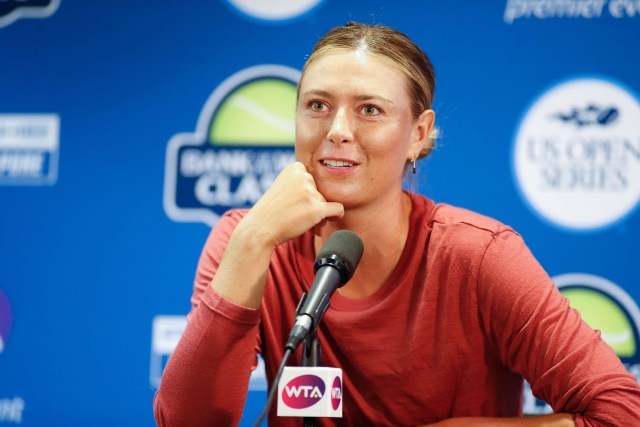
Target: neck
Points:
(383, 228)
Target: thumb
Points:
(333, 210)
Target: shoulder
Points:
(460, 232)
(449, 216)
(463, 226)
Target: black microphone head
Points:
(343, 250)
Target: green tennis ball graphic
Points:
(600, 312)
(260, 112)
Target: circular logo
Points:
(274, 10)
(576, 155)
(606, 307)
(5, 320)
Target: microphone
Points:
(334, 266)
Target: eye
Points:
(317, 105)
(371, 110)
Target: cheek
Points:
(303, 145)
(389, 147)
(308, 136)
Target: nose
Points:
(341, 128)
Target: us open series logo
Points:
(244, 138)
(576, 154)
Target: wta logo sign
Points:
(576, 154)
(244, 138)
(310, 392)
(12, 10)
(5, 320)
(303, 391)
(273, 11)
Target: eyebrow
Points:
(324, 93)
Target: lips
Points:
(342, 164)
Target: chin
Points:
(340, 194)
(332, 193)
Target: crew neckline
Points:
(419, 207)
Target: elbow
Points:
(177, 414)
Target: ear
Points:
(420, 133)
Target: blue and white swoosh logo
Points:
(12, 10)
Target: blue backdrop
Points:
(540, 127)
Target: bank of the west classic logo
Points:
(5, 320)
(12, 10)
(576, 154)
(244, 138)
(303, 391)
(606, 307)
(274, 10)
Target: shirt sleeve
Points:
(538, 335)
(206, 378)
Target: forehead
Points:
(353, 69)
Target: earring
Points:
(414, 166)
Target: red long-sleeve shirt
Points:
(464, 316)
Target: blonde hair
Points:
(398, 50)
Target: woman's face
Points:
(354, 127)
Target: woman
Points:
(447, 311)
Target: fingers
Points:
(291, 206)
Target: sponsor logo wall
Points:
(125, 132)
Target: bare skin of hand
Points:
(290, 207)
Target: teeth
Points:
(337, 163)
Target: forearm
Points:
(242, 272)
(290, 207)
(206, 379)
(552, 420)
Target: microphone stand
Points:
(311, 357)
